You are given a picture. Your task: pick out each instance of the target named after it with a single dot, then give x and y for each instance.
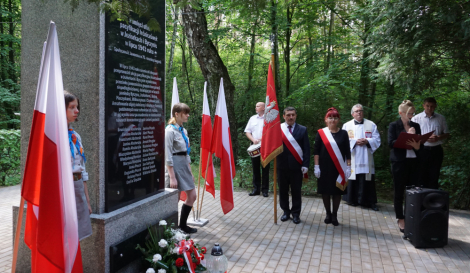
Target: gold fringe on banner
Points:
(270, 157)
(342, 187)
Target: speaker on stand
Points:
(426, 217)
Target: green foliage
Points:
(10, 157)
(244, 173)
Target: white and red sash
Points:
(294, 147)
(291, 144)
(336, 156)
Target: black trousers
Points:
(256, 163)
(405, 173)
(292, 178)
(431, 162)
(361, 191)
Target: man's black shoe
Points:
(296, 219)
(265, 194)
(253, 193)
(374, 207)
(285, 217)
(352, 204)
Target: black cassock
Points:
(329, 173)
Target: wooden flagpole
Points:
(204, 188)
(19, 223)
(198, 183)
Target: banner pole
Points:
(198, 184)
(19, 223)
(275, 190)
(204, 188)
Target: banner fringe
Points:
(271, 156)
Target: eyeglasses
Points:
(332, 118)
(358, 111)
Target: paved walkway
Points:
(365, 240)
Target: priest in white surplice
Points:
(364, 140)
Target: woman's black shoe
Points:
(328, 218)
(334, 220)
(401, 229)
(188, 229)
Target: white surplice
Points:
(362, 160)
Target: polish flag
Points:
(206, 135)
(221, 146)
(175, 98)
(51, 221)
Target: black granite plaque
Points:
(134, 106)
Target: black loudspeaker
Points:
(427, 217)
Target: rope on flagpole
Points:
(19, 223)
(204, 189)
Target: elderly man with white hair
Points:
(364, 140)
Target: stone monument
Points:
(116, 68)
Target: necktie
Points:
(290, 129)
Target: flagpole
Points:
(204, 189)
(19, 223)
(198, 184)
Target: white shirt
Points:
(436, 123)
(255, 126)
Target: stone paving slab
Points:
(365, 240)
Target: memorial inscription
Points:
(134, 108)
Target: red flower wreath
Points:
(204, 250)
(179, 262)
(202, 256)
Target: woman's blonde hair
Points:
(178, 108)
(405, 106)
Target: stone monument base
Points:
(110, 229)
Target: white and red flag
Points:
(271, 141)
(175, 98)
(51, 221)
(221, 146)
(206, 137)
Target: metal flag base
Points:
(197, 222)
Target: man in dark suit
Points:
(292, 164)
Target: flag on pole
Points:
(272, 135)
(175, 98)
(51, 221)
(206, 135)
(221, 146)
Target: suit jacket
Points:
(286, 160)
(394, 130)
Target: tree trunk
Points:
(364, 81)
(274, 29)
(251, 63)
(3, 66)
(373, 91)
(11, 54)
(330, 32)
(290, 12)
(212, 66)
(173, 39)
(185, 67)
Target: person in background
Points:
(177, 160)
(332, 145)
(254, 132)
(364, 140)
(405, 164)
(78, 159)
(432, 154)
(292, 164)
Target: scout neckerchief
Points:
(336, 156)
(73, 141)
(186, 140)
